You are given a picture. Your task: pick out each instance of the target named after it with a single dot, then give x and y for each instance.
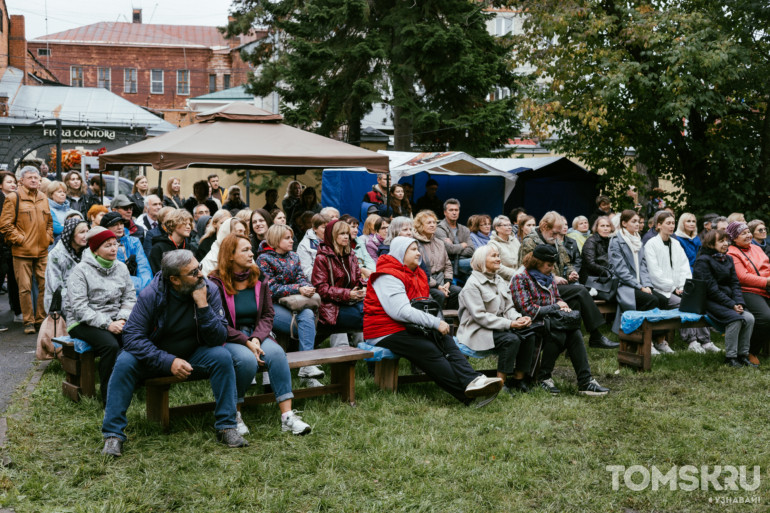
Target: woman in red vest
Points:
(387, 309)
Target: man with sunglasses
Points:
(176, 328)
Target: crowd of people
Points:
(161, 285)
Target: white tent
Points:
(404, 163)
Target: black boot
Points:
(600, 341)
(733, 362)
(514, 386)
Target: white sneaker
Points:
(711, 348)
(653, 351)
(295, 424)
(483, 386)
(695, 347)
(311, 371)
(240, 426)
(18, 319)
(664, 348)
(310, 383)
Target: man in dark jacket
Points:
(176, 327)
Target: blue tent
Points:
(549, 183)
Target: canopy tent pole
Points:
(160, 185)
(248, 189)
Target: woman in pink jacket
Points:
(753, 269)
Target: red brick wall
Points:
(17, 42)
(200, 61)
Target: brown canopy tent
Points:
(242, 136)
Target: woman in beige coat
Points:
(507, 245)
(489, 321)
(435, 260)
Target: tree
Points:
(432, 61)
(679, 82)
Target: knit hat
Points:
(735, 228)
(111, 218)
(545, 253)
(97, 236)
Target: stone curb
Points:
(37, 374)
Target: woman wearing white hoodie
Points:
(308, 246)
(669, 268)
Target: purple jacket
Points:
(263, 323)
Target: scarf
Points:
(244, 276)
(104, 262)
(682, 235)
(635, 243)
(545, 280)
(67, 234)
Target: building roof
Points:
(237, 93)
(122, 33)
(80, 106)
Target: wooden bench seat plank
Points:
(636, 348)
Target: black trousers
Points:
(452, 302)
(106, 345)
(514, 353)
(557, 341)
(759, 306)
(645, 301)
(578, 298)
(447, 367)
(6, 269)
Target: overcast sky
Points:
(67, 14)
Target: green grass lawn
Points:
(417, 450)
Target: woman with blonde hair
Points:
(139, 192)
(580, 231)
(435, 260)
(687, 235)
(172, 197)
(283, 274)
(178, 226)
(489, 320)
(211, 261)
(249, 314)
(60, 207)
(210, 235)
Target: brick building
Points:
(15, 54)
(157, 67)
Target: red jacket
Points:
(334, 288)
(752, 280)
(377, 323)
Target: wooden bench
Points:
(635, 348)
(80, 369)
(605, 308)
(342, 361)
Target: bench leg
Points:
(344, 374)
(386, 375)
(88, 375)
(646, 348)
(157, 405)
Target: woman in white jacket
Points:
(669, 268)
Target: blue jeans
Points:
(128, 371)
(305, 325)
(277, 366)
(350, 318)
(245, 364)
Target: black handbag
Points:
(431, 307)
(606, 286)
(563, 321)
(694, 296)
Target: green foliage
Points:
(432, 61)
(683, 83)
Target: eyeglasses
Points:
(762, 230)
(195, 272)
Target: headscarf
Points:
(68, 234)
(735, 228)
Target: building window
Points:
(503, 26)
(226, 84)
(76, 76)
(129, 80)
(156, 81)
(183, 81)
(43, 52)
(103, 79)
